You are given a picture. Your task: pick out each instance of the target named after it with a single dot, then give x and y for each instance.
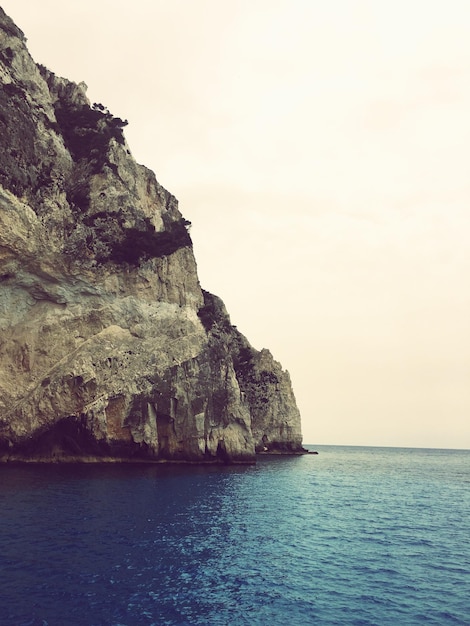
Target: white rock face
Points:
(109, 349)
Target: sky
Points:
(321, 151)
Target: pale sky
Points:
(321, 150)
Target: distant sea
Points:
(356, 536)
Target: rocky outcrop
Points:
(109, 348)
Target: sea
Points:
(351, 535)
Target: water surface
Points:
(365, 536)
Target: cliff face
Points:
(109, 349)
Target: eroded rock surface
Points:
(109, 348)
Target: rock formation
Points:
(109, 348)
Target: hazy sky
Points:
(321, 150)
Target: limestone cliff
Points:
(109, 349)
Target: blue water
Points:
(352, 536)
